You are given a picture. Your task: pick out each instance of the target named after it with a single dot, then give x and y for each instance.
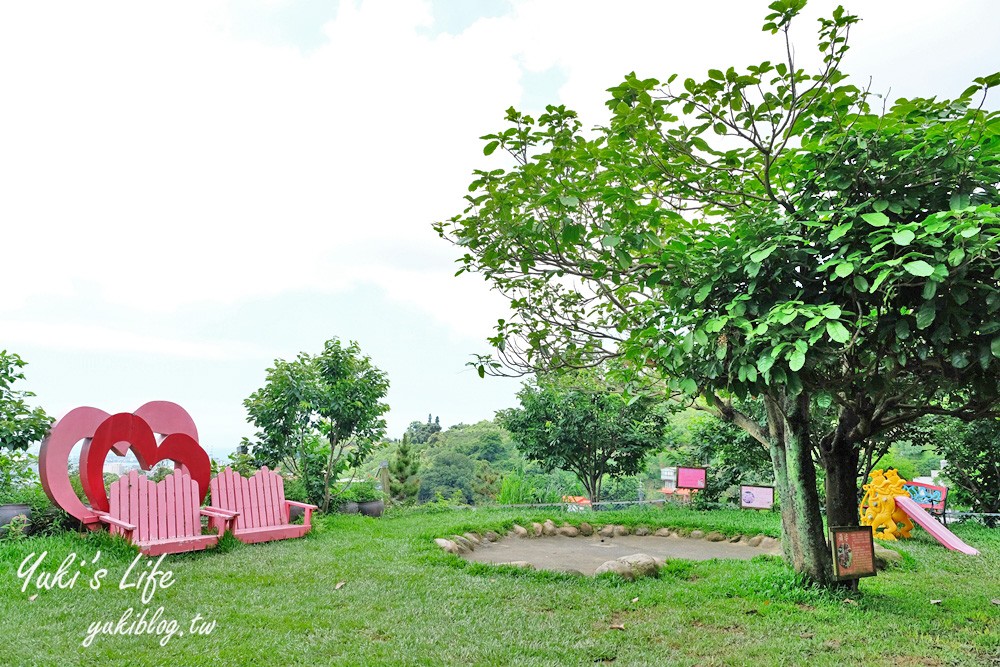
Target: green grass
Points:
(406, 602)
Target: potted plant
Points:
(369, 500)
(20, 427)
(16, 474)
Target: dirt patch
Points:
(586, 554)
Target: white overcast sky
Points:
(189, 190)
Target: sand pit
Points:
(586, 554)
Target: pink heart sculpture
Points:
(160, 417)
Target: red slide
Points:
(932, 526)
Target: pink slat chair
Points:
(259, 505)
(160, 518)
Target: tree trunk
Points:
(841, 464)
(803, 535)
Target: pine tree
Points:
(403, 482)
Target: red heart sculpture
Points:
(132, 429)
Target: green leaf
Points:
(956, 256)
(861, 283)
(839, 231)
(970, 232)
(610, 241)
(490, 147)
(824, 399)
(919, 268)
(903, 237)
(837, 332)
(959, 201)
(689, 386)
(796, 360)
(481, 371)
(572, 234)
(877, 219)
(844, 269)
(880, 205)
(764, 363)
(571, 202)
(902, 329)
(703, 292)
(762, 254)
(926, 315)
(994, 347)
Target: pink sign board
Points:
(757, 497)
(691, 478)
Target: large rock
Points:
(519, 531)
(642, 565)
(536, 528)
(663, 532)
(519, 563)
(473, 537)
(621, 530)
(756, 540)
(549, 528)
(463, 543)
(569, 531)
(697, 534)
(616, 566)
(886, 557)
(586, 529)
(448, 546)
(493, 537)
(642, 531)
(607, 531)
(715, 536)
(770, 543)
(735, 539)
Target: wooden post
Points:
(384, 474)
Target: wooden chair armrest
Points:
(107, 518)
(219, 512)
(307, 519)
(295, 503)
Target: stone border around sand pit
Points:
(628, 567)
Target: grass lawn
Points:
(404, 601)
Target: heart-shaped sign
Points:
(132, 429)
(160, 417)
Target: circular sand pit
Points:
(586, 554)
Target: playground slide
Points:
(932, 526)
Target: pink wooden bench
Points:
(260, 505)
(160, 518)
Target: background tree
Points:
(420, 433)
(588, 430)
(449, 476)
(403, 482)
(20, 424)
(758, 233)
(333, 398)
(972, 452)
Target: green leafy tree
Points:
(403, 482)
(334, 398)
(449, 475)
(20, 424)
(420, 433)
(587, 429)
(972, 452)
(758, 233)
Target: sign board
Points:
(757, 497)
(691, 478)
(853, 552)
